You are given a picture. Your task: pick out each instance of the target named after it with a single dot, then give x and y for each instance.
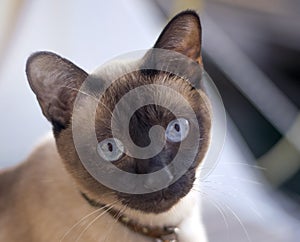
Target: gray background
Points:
(88, 33)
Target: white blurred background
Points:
(242, 201)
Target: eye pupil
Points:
(177, 130)
(177, 127)
(110, 147)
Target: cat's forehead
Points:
(157, 94)
(147, 87)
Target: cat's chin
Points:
(154, 205)
(160, 201)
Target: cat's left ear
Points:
(183, 34)
(55, 81)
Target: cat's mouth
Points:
(160, 201)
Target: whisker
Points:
(95, 99)
(85, 217)
(107, 108)
(250, 204)
(203, 168)
(217, 206)
(95, 219)
(240, 222)
(78, 222)
(78, 90)
(247, 180)
(236, 217)
(237, 179)
(116, 218)
(244, 164)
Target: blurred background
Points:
(251, 49)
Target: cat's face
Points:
(56, 82)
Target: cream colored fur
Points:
(40, 202)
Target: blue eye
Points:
(177, 130)
(110, 149)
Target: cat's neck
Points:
(44, 196)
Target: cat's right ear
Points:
(55, 82)
(183, 34)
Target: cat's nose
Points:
(161, 179)
(157, 172)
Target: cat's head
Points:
(56, 82)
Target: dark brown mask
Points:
(56, 82)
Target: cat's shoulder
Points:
(43, 157)
(45, 148)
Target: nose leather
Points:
(153, 183)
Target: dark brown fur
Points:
(41, 199)
(141, 122)
(179, 35)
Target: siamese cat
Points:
(52, 197)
